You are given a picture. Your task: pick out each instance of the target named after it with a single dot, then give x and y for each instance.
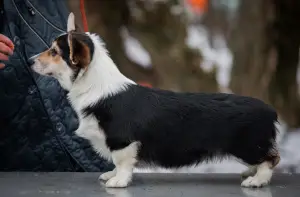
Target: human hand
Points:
(6, 48)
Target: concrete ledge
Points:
(25, 184)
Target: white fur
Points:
(251, 171)
(89, 129)
(124, 160)
(61, 72)
(108, 175)
(101, 79)
(261, 178)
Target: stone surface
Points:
(143, 185)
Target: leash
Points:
(83, 16)
(86, 29)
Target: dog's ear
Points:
(71, 22)
(79, 52)
(72, 26)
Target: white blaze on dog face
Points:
(51, 63)
(68, 55)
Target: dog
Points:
(131, 125)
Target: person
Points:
(37, 123)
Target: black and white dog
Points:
(130, 125)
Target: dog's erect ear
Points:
(71, 22)
(79, 52)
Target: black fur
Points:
(178, 129)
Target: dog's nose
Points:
(32, 59)
(30, 62)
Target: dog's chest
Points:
(89, 129)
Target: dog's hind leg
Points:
(263, 174)
(124, 160)
(251, 171)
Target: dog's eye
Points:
(53, 52)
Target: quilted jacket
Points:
(36, 121)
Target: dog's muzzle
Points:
(31, 60)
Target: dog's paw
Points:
(249, 172)
(254, 182)
(117, 182)
(107, 175)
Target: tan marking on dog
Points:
(86, 56)
(82, 59)
(47, 59)
(70, 42)
(275, 161)
(275, 158)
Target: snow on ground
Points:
(289, 150)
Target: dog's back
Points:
(134, 124)
(177, 129)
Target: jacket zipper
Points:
(49, 22)
(19, 13)
(63, 147)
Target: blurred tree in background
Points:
(262, 35)
(264, 40)
(162, 33)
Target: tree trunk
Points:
(106, 17)
(265, 45)
(284, 93)
(251, 45)
(174, 65)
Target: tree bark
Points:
(251, 45)
(174, 65)
(284, 92)
(163, 35)
(106, 17)
(265, 45)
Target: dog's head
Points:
(69, 54)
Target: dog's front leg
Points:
(108, 175)
(87, 129)
(80, 131)
(124, 160)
